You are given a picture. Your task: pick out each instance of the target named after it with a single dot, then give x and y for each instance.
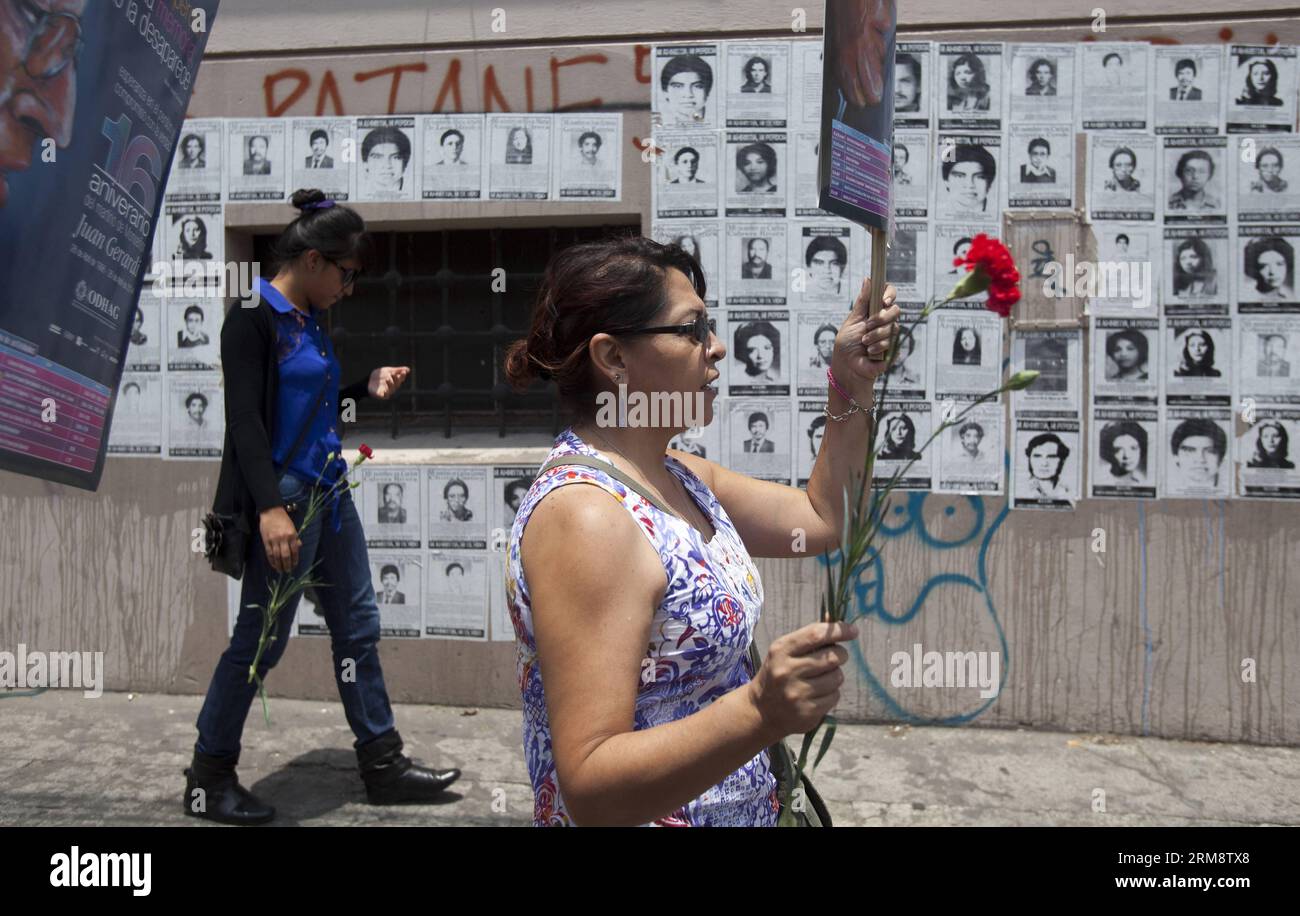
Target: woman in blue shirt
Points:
(283, 404)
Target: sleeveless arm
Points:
(594, 583)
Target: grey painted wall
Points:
(1146, 638)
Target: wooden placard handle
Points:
(879, 255)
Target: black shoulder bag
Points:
(226, 537)
(812, 812)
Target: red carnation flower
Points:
(991, 268)
(366, 451)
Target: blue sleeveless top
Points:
(699, 640)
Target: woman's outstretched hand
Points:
(385, 381)
(860, 338)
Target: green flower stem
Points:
(284, 587)
(859, 531)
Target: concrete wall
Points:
(1146, 638)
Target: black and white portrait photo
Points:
(756, 169)
(1198, 445)
(323, 154)
(971, 453)
(1046, 463)
(1196, 262)
(1194, 357)
(1195, 180)
(1122, 177)
(1041, 89)
(191, 239)
(196, 164)
(391, 511)
(386, 151)
(966, 349)
(193, 334)
(1267, 266)
(1045, 456)
(686, 167)
(970, 90)
(1123, 451)
(908, 86)
(756, 349)
(1189, 86)
(756, 265)
(757, 84)
(1037, 169)
(1263, 454)
(969, 87)
(519, 146)
(684, 86)
(256, 161)
(1269, 166)
(825, 259)
(1115, 85)
(1185, 88)
(1127, 356)
(1261, 85)
(968, 177)
(455, 496)
(319, 157)
(193, 152)
(1270, 446)
(898, 438)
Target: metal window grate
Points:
(428, 302)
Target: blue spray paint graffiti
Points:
(905, 518)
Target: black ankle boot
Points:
(212, 790)
(392, 778)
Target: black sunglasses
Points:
(700, 328)
(349, 273)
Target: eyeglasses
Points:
(54, 40)
(349, 273)
(700, 328)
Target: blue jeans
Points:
(347, 599)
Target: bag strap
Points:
(589, 462)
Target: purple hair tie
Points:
(319, 205)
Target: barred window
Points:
(429, 301)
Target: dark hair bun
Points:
(305, 197)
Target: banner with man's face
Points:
(92, 101)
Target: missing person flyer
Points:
(81, 187)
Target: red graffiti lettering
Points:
(450, 83)
(329, 86)
(396, 73)
(642, 55)
(556, 64)
(492, 90)
(274, 110)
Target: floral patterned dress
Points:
(698, 649)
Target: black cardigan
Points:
(249, 482)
